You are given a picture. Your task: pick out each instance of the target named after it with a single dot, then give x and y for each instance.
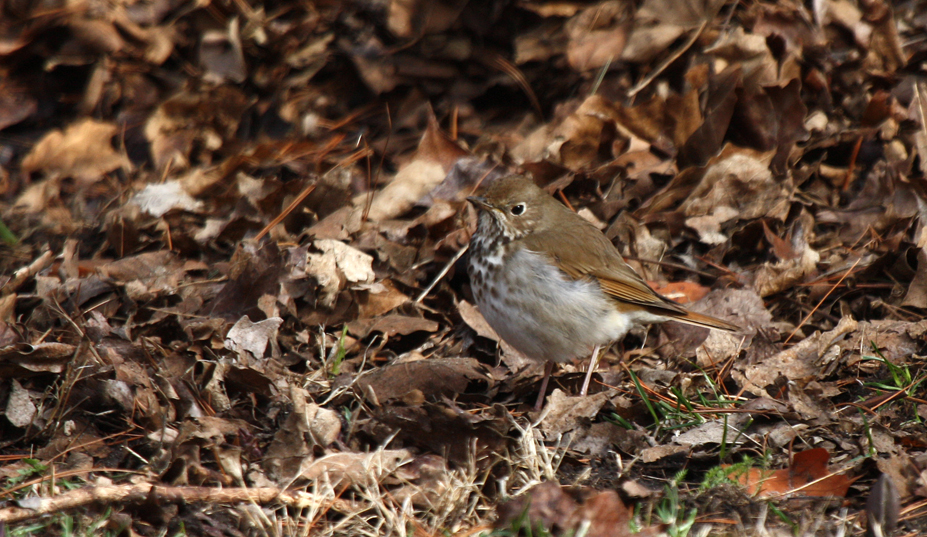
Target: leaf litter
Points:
(236, 301)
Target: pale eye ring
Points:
(518, 209)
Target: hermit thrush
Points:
(552, 285)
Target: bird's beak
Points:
(479, 202)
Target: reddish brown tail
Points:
(690, 317)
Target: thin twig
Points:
(447, 267)
(510, 69)
(20, 276)
(671, 58)
(283, 214)
(147, 492)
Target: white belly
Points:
(547, 315)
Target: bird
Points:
(552, 285)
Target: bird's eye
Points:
(518, 209)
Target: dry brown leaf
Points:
(751, 54)
(596, 35)
(660, 22)
(435, 157)
(916, 295)
(16, 103)
(655, 453)
(741, 182)
(604, 437)
(84, 151)
(575, 142)
(808, 475)
(906, 477)
(713, 432)
(336, 266)
(415, 18)
(378, 298)
(41, 358)
(801, 362)
(391, 325)
(604, 514)
(774, 277)
(566, 413)
(20, 410)
(246, 336)
(432, 378)
(681, 292)
(355, 469)
(190, 121)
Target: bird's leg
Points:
(548, 368)
(592, 363)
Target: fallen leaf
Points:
(84, 151)
(253, 338)
(391, 325)
(808, 475)
(433, 378)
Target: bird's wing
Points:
(597, 259)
